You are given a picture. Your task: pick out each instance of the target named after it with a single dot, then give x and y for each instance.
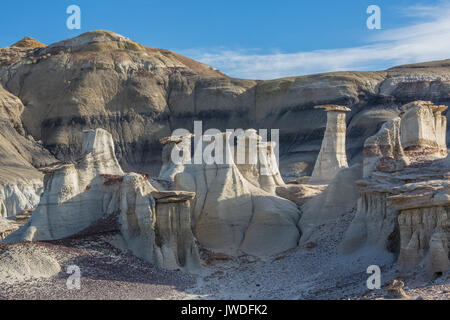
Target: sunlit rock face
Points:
(384, 151)
(424, 127)
(230, 214)
(94, 195)
(424, 224)
(424, 234)
(156, 224)
(75, 194)
(19, 198)
(175, 146)
(20, 182)
(141, 94)
(418, 134)
(405, 193)
(332, 156)
(257, 162)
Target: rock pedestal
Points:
(257, 162)
(94, 196)
(176, 153)
(231, 212)
(332, 156)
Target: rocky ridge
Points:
(141, 94)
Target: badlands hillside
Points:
(86, 178)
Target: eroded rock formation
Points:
(19, 198)
(75, 195)
(20, 182)
(405, 194)
(332, 156)
(384, 151)
(156, 224)
(424, 224)
(230, 214)
(94, 195)
(141, 94)
(424, 128)
(175, 146)
(7, 227)
(328, 206)
(257, 162)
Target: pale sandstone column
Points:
(180, 147)
(441, 128)
(257, 162)
(332, 156)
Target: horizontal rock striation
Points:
(141, 94)
(20, 182)
(424, 224)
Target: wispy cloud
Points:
(426, 40)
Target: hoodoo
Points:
(94, 196)
(332, 156)
(257, 162)
(232, 212)
(302, 216)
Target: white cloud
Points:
(422, 41)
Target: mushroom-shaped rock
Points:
(75, 194)
(257, 162)
(94, 195)
(332, 156)
(230, 213)
(176, 153)
(156, 225)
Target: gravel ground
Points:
(301, 273)
(313, 273)
(106, 273)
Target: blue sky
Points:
(253, 39)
